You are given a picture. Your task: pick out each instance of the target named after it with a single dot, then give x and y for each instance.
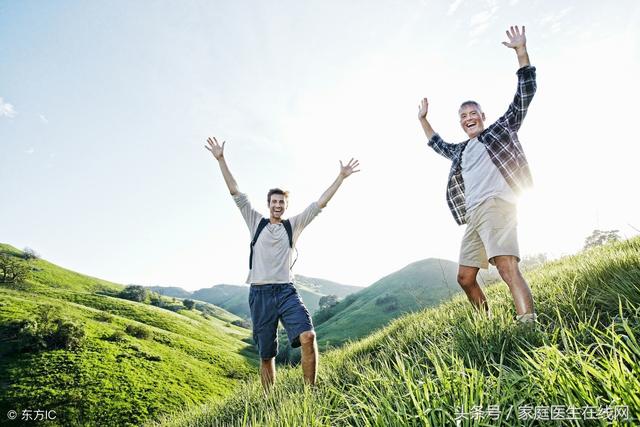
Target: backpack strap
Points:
(287, 226)
(261, 225)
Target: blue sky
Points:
(105, 108)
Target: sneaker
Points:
(527, 318)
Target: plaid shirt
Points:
(501, 141)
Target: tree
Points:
(601, 237)
(29, 254)
(188, 303)
(328, 301)
(11, 270)
(135, 293)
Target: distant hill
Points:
(230, 297)
(325, 287)
(171, 291)
(418, 285)
(69, 344)
(234, 298)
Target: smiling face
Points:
(471, 119)
(277, 206)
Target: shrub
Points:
(138, 331)
(151, 357)
(68, 335)
(386, 299)
(104, 317)
(188, 303)
(29, 254)
(135, 293)
(48, 331)
(12, 271)
(117, 336)
(242, 323)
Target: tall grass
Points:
(451, 366)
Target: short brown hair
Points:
(276, 191)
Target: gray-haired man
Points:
(488, 171)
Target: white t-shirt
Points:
(272, 255)
(481, 177)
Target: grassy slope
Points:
(423, 368)
(420, 284)
(233, 298)
(186, 359)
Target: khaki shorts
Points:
(491, 231)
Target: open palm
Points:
(215, 148)
(517, 39)
(349, 168)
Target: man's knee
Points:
(307, 337)
(507, 266)
(466, 279)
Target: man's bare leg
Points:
(268, 373)
(507, 266)
(309, 356)
(467, 280)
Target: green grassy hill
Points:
(230, 297)
(67, 344)
(432, 367)
(325, 287)
(420, 284)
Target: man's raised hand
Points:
(349, 168)
(216, 149)
(423, 108)
(517, 39)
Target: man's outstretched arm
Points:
(526, 80)
(518, 42)
(218, 152)
(423, 108)
(345, 171)
(443, 148)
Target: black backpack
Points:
(261, 225)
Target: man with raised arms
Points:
(272, 296)
(488, 171)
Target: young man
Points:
(489, 170)
(272, 296)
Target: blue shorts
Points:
(270, 303)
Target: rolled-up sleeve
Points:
(300, 221)
(250, 215)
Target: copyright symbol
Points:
(12, 414)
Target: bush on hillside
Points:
(242, 323)
(12, 271)
(117, 336)
(188, 303)
(328, 301)
(135, 293)
(138, 331)
(104, 317)
(48, 331)
(386, 299)
(30, 254)
(601, 237)
(327, 313)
